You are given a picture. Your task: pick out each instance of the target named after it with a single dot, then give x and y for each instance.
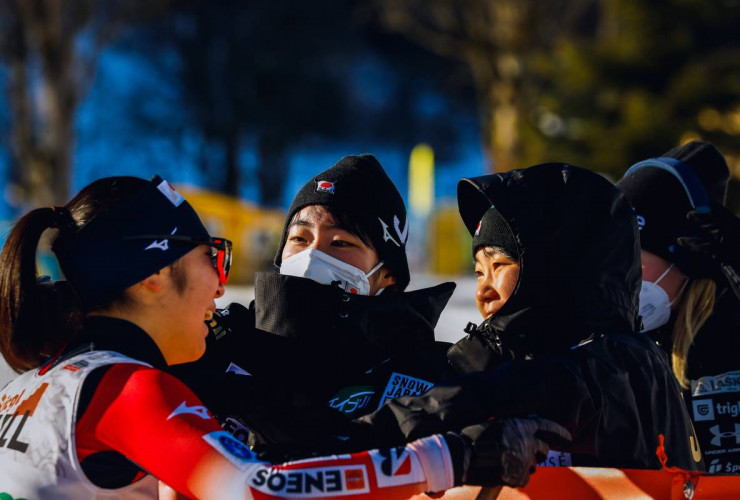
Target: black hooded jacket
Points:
(564, 346)
(351, 339)
(317, 357)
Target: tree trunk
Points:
(499, 109)
(272, 168)
(232, 179)
(504, 137)
(58, 171)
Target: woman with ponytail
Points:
(94, 413)
(22, 329)
(690, 297)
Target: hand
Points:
(506, 451)
(714, 251)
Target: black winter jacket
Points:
(317, 357)
(564, 345)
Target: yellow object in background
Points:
(450, 243)
(421, 181)
(254, 231)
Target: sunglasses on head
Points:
(221, 250)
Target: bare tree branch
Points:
(52, 48)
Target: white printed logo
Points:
(402, 234)
(317, 482)
(184, 409)
(714, 467)
(557, 459)
(163, 245)
(719, 436)
(396, 466)
(404, 385)
(234, 368)
(728, 408)
(703, 409)
(169, 192)
(726, 382)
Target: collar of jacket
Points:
(329, 318)
(112, 334)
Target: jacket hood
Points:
(343, 325)
(579, 253)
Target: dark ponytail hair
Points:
(38, 319)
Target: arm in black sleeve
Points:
(551, 388)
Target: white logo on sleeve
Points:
(184, 409)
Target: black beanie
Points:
(662, 191)
(494, 231)
(127, 243)
(359, 187)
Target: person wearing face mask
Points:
(333, 334)
(557, 262)
(343, 253)
(690, 298)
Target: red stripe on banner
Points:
(595, 483)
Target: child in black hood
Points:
(560, 339)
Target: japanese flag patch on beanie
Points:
(359, 187)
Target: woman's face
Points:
(189, 301)
(314, 227)
(654, 266)
(497, 276)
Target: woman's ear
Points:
(153, 283)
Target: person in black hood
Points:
(333, 334)
(690, 298)
(557, 259)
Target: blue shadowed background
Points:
(239, 103)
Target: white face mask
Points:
(325, 269)
(655, 305)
